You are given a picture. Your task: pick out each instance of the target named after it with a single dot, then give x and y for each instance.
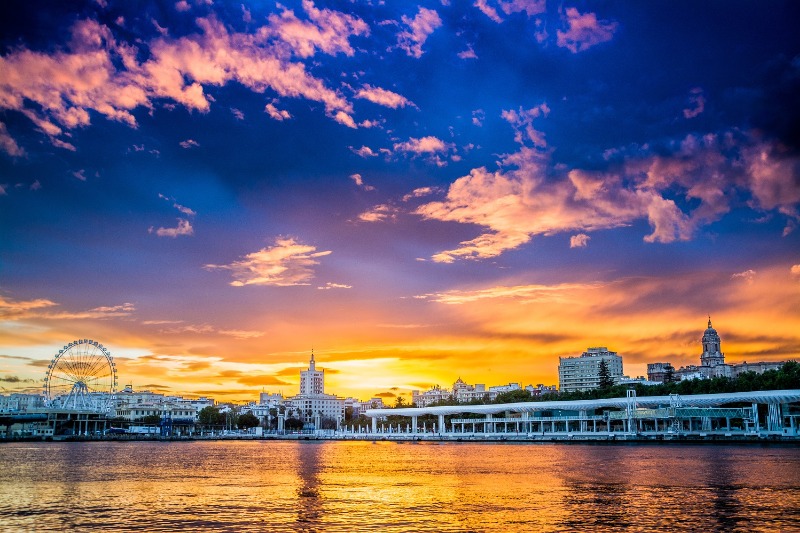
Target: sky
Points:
(416, 191)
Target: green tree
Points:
(514, 396)
(327, 423)
(248, 420)
(399, 402)
(208, 416)
(151, 420)
(606, 382)
(293, 424)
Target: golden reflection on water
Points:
(365, 486)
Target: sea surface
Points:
(388, 486)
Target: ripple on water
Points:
(358, 486)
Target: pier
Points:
(732, 416)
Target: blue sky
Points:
(417, 191)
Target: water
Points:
(364, 486)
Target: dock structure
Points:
(728, 415)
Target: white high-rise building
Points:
(312, 405)
(583, 373)
(312, 381)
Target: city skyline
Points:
(415, 191)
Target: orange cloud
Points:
(287, 263)
(97, 73)
(379, 213)
(523, 200)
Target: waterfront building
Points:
(583, 372)
(540, 389)
(430, 396)
(638, 380)
(359, 407)
(754, 414)
(312, 381)
(271, 399)
(465, 393)
(164, 409)
(19, 402)
(660, 372)
(312, 405)
(500, 389)
(198, 404)
(712, 363)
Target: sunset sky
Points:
(416, 191)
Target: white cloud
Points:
(39, 309)
(277, 114)
(469, 53)
(420, 192)
(584, 31)
(286, 263)
(747, 276)
(579, 241)
(208, 329)
(359, 180)
(345, 119)
(698, 101)
(522, 121)
(98, 73)
(530, 7)
(382, 97)
(185, 210)
(432, 147)
(478, 116)
(379, 213)
(526, 293)
(8, 144)
(795, 271)
(189, 143)
(419, 28)
(528, 197)
(184, 227)
(330, 285)
(327, 31)
(364, 151)
(80, 174)
(425, 145)
(237, 113)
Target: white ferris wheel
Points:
(81, 376)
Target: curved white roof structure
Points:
(696, 400)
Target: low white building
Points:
(19, 402)
(430, 396)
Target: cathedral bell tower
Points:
(712, 354)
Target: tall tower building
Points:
(712, 354)
(312, 381)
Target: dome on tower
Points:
(710, 330)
